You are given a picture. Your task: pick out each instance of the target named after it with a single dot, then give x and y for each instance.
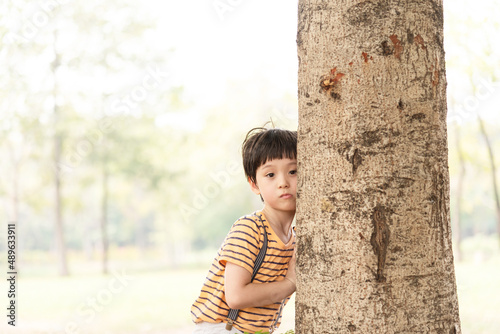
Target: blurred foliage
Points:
(119, 114)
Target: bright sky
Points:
(245, 40)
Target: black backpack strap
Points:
(233, 314)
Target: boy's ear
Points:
(254, 187)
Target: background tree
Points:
(104, 61)
(457, 221)
(491, 155)
(471, 93)
(58, 139)
(374, 236)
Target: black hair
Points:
(262, 145)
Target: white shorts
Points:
(209, 328)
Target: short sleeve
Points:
(242, 244)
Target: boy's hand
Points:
(290, 275)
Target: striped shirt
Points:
(241, 246)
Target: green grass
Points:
(159, 302)
(140, 303)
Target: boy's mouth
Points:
(285, 196)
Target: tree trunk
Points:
(16, 167)
(457, 222)
(59, 225)
(104, 216)
(373, 225)
(493, 171)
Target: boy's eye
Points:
(270, 174)
(293, 172)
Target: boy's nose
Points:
(283, 183)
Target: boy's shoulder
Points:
(256, 217)
(251, 221)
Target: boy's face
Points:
(277, 184)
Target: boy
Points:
(270, 164)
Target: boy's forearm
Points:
(263, 294)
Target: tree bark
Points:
(373, 225)
(493, 172)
